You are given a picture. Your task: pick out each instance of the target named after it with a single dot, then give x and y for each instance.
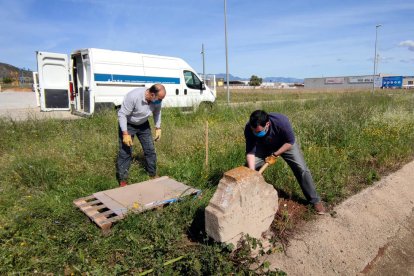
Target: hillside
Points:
(10, 71)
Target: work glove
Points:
(127, 140)
(271, 159)
(157, 134)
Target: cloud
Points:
(408, 60)
(408, 43)
(386, 59)
(381, 59)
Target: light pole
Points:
(375, 58)
(204, 68)
(227, 59)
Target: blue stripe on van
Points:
(135, 79)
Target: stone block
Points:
(242, 204)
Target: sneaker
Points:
(319, 208)
(123, 183)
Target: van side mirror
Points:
(202, 86)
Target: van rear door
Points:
(82, 85)
(53, 81)
(36, 87)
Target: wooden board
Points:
(106, 207)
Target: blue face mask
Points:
(260, 133)
(156, 102)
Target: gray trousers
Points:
(297, 164)
(123, 162)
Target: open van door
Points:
(53, 76)
(36, 87)
(84, 100)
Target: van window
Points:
(191, 80)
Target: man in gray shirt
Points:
(137, 106)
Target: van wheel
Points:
(206, 106)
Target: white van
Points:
(92, 78)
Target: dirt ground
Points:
(371, 233)
(19, 89)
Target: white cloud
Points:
(386, 59)
(408, 43)
(408, 60)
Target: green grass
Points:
(349, 141)
(270, 94)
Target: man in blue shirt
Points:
(137, 107)
(272, 135)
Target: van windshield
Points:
(191, 80)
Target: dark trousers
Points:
(294, 158)
(143, 132)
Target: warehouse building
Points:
(359, 82)
(408, 82)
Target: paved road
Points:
(19, 106)
(11, 100)
(397, 256)
(370, 233)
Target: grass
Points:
(273, 94)
(349, 140)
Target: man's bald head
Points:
(159, 90)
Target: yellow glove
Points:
(127, 140)
(271, 159)
(157, 134)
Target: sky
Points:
(267, 38)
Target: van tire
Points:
(205, 106)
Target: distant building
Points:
(408, 82)
(268, 84)
(351, 82)
(357, 82)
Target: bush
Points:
(7, 80)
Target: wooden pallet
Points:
(97, 211)
(106, 207)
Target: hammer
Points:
(270, 160)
